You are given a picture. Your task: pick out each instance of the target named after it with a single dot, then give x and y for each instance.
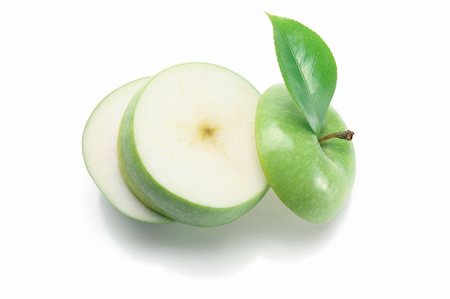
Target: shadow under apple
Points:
(269, 230)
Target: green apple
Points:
(187, 145)
(312, 178)
(100, 153)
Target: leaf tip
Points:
(272, 18)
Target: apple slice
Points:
(100, 153)
(187, 145)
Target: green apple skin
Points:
(312, 179)
(157, 197)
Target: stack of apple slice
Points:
(179, 146)
(186, 145)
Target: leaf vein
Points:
(296, 62)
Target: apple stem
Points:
(347, 135)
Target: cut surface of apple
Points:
(187, 145)
(100, 153)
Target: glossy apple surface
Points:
(313, 179)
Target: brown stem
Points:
(347, 135)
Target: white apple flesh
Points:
(100, 153)
(187, 145)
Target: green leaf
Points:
(308, 68)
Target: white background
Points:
(61, 239)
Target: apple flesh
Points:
(312, 179)
(100, 153)
(187, 145)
